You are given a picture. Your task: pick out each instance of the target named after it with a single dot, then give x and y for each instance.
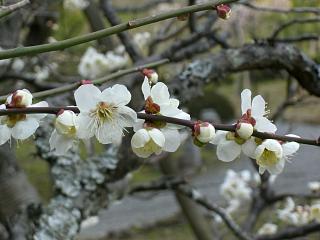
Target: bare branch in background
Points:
(313, 10)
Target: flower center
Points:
(268, 158)
(231, 136)
(11, 120)
(104, 112)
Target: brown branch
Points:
(292, 22)
(302, 38)
(109, 12)
(150, 117)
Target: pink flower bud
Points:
(83, 82)
(20, 98)
(223, 11)
(151, 75)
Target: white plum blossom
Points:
(271, 155)
(142, 39)
(104, 114)
(236, 186)
(158, 101)
(147, 141)
(94, 64)
(294, 215)
(64, 135)
(19, 126)
(229, 144)
(75, 4)
(268, 229)
(204, 132)
(314, 187)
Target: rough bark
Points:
(249, 57)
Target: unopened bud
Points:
(151, 75)
(223, 11)
(83, 82)
(20, 98)
(204, 132)
(244, 130)
(66, 123)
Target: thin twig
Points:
(99, 81)
(60, 45)
(183, 188)
(292, 22)
(313, 10)
(6, 10)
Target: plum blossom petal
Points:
(172, 139)
(227, 151)
(87, 96)
(59, 143)
(220, 136)
(24, 129)
(86, 130)
(160, 93)
(5, 134)
(117, 94)
(258, 106)
(146, 89)
(264, 125)
(290, 148)
(249, 148)
(245, 100)
(39, 104)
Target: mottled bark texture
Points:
(81, 190)
(249, 57)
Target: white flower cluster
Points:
(155, 137)
(105, 116)
(94, 64)
(270, 154)
(19, 126)
(314, 187)
(75, 4)
(299, 215)
(268, 229)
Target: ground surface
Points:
(133, 212)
